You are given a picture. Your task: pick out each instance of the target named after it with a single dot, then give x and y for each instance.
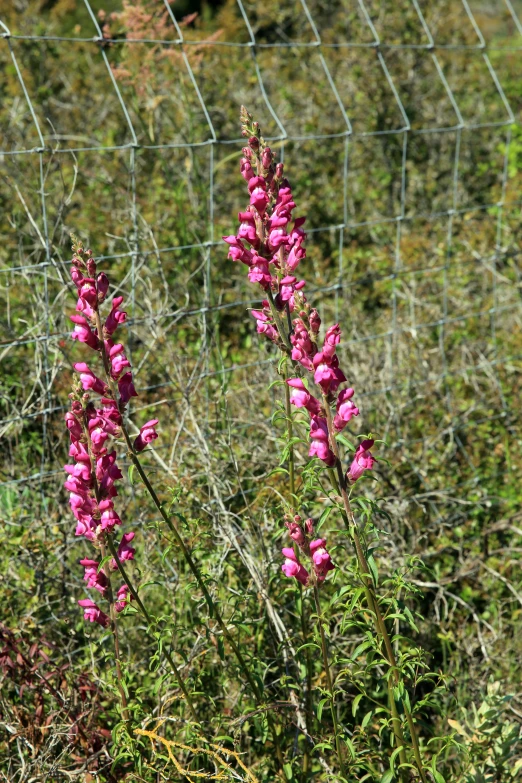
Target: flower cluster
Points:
(270, 242)
(313, 549)
(93, 424)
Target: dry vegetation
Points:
(429, 305)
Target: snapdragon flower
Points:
(93, 423)
(313, 550)
(270, 242)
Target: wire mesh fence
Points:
(400, 126)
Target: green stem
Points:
(213, 610)
(373, 604)
(304, 623)
(114, 631)
(147, 616)
(290, 433)
(110, 596)
(329, 682)
(279, 322)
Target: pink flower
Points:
(258, 194)
(93, 576)
(102, 284)
(247, 229)
(321, 559)
(323, 452)
(320, 446)
(119, 361)
(295, 256)
(362, 461)
(73, 425)
(301, 397)
(83, 332)
(123, 598)
(238, 251)
(90, 381)
(327, 374)
(314, 321)
(332, 339)
(297, 235)
(88, 297)
(293, 568)
(93, 613)
(147, 435)
(245, 167)
(345, 409)
(296, 533)
(303, 349)
(115, 317)
(79, 470)
(126, 388)
(125, 552)
(109, 519)
(277, 231)
(79, 452)
(265, 325)
(97, 434)
(259, 272)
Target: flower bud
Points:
(267, 157)
(314, 320)
(253, 142)
(279, 170)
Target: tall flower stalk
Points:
(92, 477)
(95, 512)
(270, 243)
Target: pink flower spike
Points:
(362, 461)
(93, 613)
(147, 435)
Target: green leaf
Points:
(131, 470)
(288, 771)
(355, 703)
(346, 442)
(320, 707)
(438, 777)
(367, 718)
(373, 568)
(349, 745)
(360, 649)
(387, 777)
